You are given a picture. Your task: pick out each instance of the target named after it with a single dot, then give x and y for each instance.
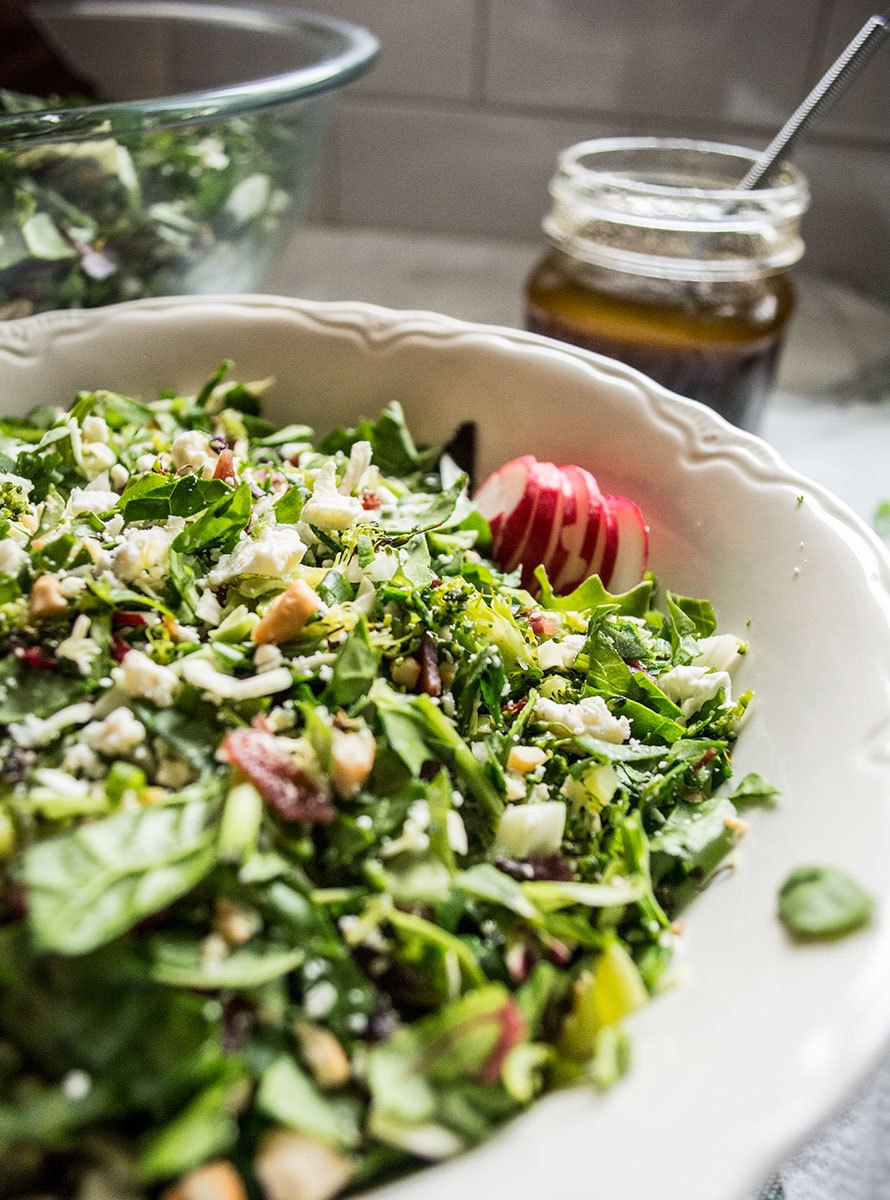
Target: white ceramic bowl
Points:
(764, 1038)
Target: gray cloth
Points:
(849, 1159)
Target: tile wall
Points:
(457, 128)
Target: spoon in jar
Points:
(833, 84)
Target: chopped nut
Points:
(324, 1055)
(46, 599)
(405, 673)
(736, 824)
(290, 1166)
(234, 922)
(214, 1181)
(352, 757)
(525, 758)
(286, 615)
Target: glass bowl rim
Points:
(354, 50)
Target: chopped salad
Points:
(325, 846)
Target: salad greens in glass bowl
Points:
(192, 178)
(325, 845)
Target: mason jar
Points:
(657, 258)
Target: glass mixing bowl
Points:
(191, 175)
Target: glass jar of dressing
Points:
(658, 259)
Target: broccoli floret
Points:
(13, 498)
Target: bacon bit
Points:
(262, 724)
(370, 501)
(119, 648)
(511, 1034)
(515, 707)
(710, 753)
(36, 658)
(132, 620)
(542, 624)
(430, 679)
(225, 466)
(286, 788)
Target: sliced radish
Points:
(566, 531)
(503, 492)
(580, 540)
(606, 544)
(632, 544)
(546, 518)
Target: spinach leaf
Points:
(179, 962)
(219, 525)
(819, 903)
(93, 883)
(41, 693)
(355, 669)
(289, 1097)
(754, 789)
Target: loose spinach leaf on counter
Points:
(818, 903)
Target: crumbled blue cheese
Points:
(359, 461)
(78, 647)
(691, 687)
(12, 557)
(34, 731)
(589, 716)
(144, 556)
(556, 655)
(140, 675)
(191, 451)
(326, 508)
(89, 500)
(722, 652)
(276, 554)
(117, 735)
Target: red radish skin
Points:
(502, 493)
(587, 496)
(607, 543)
(632, 544)
(572, 516)
(557, 516)
(545, 519)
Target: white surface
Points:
(763, 1039)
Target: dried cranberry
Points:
(119, 648)
(129, 620)
(370, 501)
(430, 679)
(537, 866)
(37, 658)
(286, 788)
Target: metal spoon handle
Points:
(832, 84)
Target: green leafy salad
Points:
(325, 848)
(192, 209)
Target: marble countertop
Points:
(829, 417)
